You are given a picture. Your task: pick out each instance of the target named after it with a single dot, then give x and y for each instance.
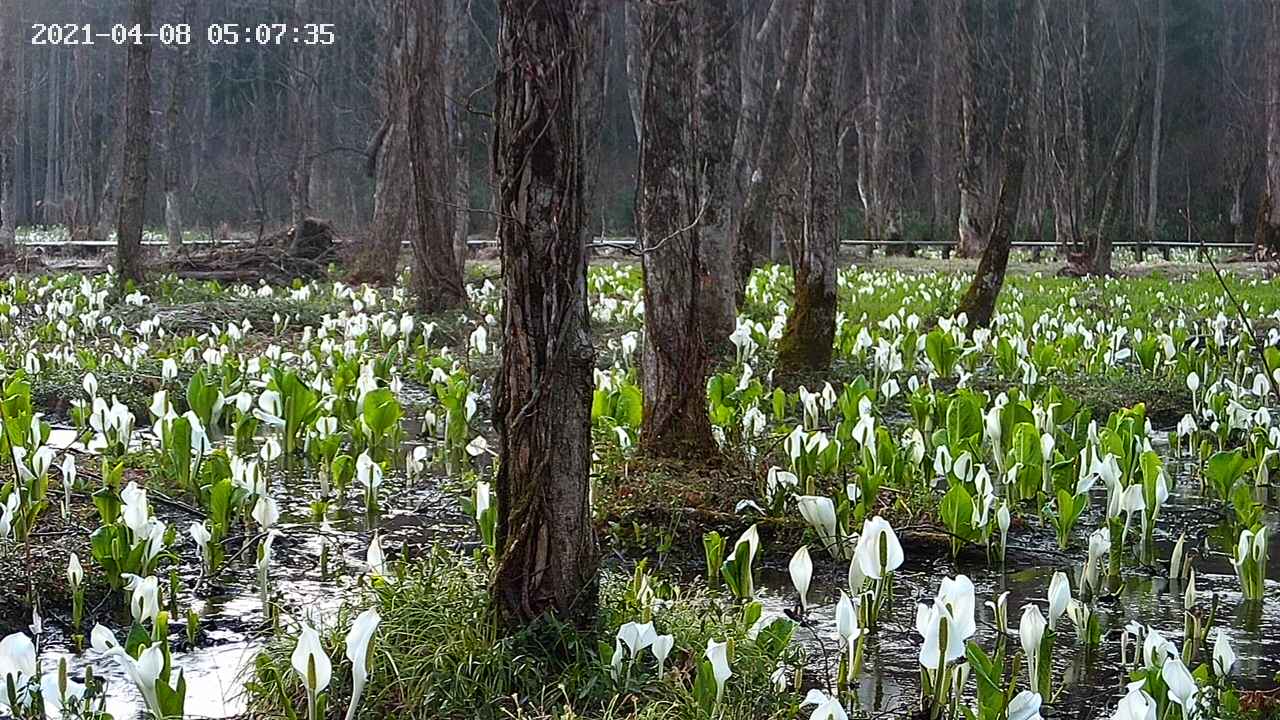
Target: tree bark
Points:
(387, 162)
(979, 301)
(807, 340)
(1157, 118)
(970, 231)
(754, 221)
(1268, 236)
(675, 358)
(51, 200)
(877, 119)
(173, 142)
(1113, 182)
(457, 47)
(715, 123)
(634, 57)
(542, 409)
(137, 144)
(436, 276)
(11, 82)
(302, 125)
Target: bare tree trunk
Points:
(979, 301)
(302, 125)
(939, 167)
(1113, 182)
(970, 230)
(675, 358)
(52, 198)
(593, 92)
(387, 161)
(1268, 241)
(457, 44)
(173, 142)
(548, 556)
(1157, 117)
(715, 123)
(877, 116)
(11, 86)
(807, 341)
(635, 57)
(754, 223)
(436, 276)
(137, 143)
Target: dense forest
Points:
(1139, 115)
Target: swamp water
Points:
(421, 513)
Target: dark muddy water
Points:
(1085, 683)
(415, 515)
(420, 513)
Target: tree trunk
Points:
(11, 86)
(754, 221)
(877, 116)
(675, 359)
(593, 90)
(548, 557)
(939, 124)
(1268, 240)
(807, 341)
(436, 276)
(51, 200)
(970, 233)
(137, 144)
(715, 123)
(173, 142)
(302, 126)
(634, 57)
(1157, 117)
(457, 44)
(979, 302)
(1113, 182)
(386, 160)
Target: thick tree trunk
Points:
(436, 276)
(754, 221)
(715, 123)
(548, 556)
(675, 358)
(807, 341)
(979, 302)
(137, 145)
(387, 162)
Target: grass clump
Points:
(439, 654)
